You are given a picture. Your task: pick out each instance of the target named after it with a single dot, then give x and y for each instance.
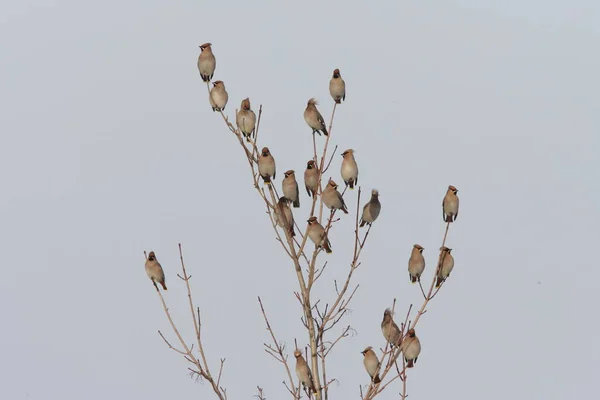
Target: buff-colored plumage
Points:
(313, 118)
(416, 263)
(411, 348)
(154, 271)
(447, 266)
(311, 178)
(206, 62)
(290, 188)
(372, 364)
(218, 96)
(333, 199)
(266, 165)
(337, 87)
(371, 210)
(316, 233)
(450, 205)
(390, 330)
(284, 216)
(349, 168)
(246, 119)
(303, 372)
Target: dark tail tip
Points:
(376, 379)
(409, 364)
(438, 282)
(163, 285)
(413, 279)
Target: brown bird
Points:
(246, 119)
(218, 96)
(372, 364)
(206, 62)
(371, 209)
(303, 372)
(416, 263)
(450, 205)
(155, 271)
(313, 118)
(332, 198)
(266, 165)
(284, 216)
(349, 169)
(390, 330)
(316, 233)
(447, 264)
(411, 347)
(290, 188)
(337, 87)
(311, 178)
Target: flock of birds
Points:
(409, 344)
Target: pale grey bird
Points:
(332, 198)
(337, 87)
(316, 233)
(206, 62)
(447, 262)
(371, 210)
(155, 271)
(246, 119)
(450, 205)
(303, 372)
(313, 118)
(218, 96)
(371, 363)
(311, 178)
(390, 330)
(290, 187)
(349, 168)
(416, 263)
(284, 216)
(411, 347)
(266, 165)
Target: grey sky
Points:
(110, 148)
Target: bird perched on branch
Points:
(290, 187)
(311, 178)
(246, 119)
(416, 263)
(390, 330)
(303, 372)
(316, 233)
(337, 87)
(371, 209)
(284, 216)
(411, 347)
(349, 168)
(313, 118)
(447, 264)
(206, 62)
(218, 96)
(450, 205)
(332, 198)
(266, 165)
(155, 271)
(372, 364)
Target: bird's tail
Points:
(438, 281)
(376, 379)
(325, 131)
(266, 179)
(362, 222)
(327, 247)
(409, 364)
(351, 183)
(413, 279)
(297, 202)
(163, 285)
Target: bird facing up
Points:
(206, 62)
(337, 87)
(266, 165)
(303, 372)
(390, 330)
(332, 198)
(290, 187)
(218, 96)
(411, 347)
(447, 264)
(313, 118)
(371, 210)
(371, 363)
(416, 263)
(317, 234)
(450, 205)
(311, 178)
(246, 119)
(349, 168)
(284, 216)
(154, 271)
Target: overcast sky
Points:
(110, 148)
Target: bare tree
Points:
(319, 318)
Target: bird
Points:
(284, 216)
(349, 168)
(303, 372)
(218, 96)
(390, 330)
(266, 165)
(416, 263)
(246, 119)
(333, 199)
(450, 205)
(447, 264)
(316, 233)
(155, 271)
(290, 187)
(337, 87)
(411, 347)
(206, 62)
(313, 117)
(372, 364)
(311, 178)
(371, 209)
